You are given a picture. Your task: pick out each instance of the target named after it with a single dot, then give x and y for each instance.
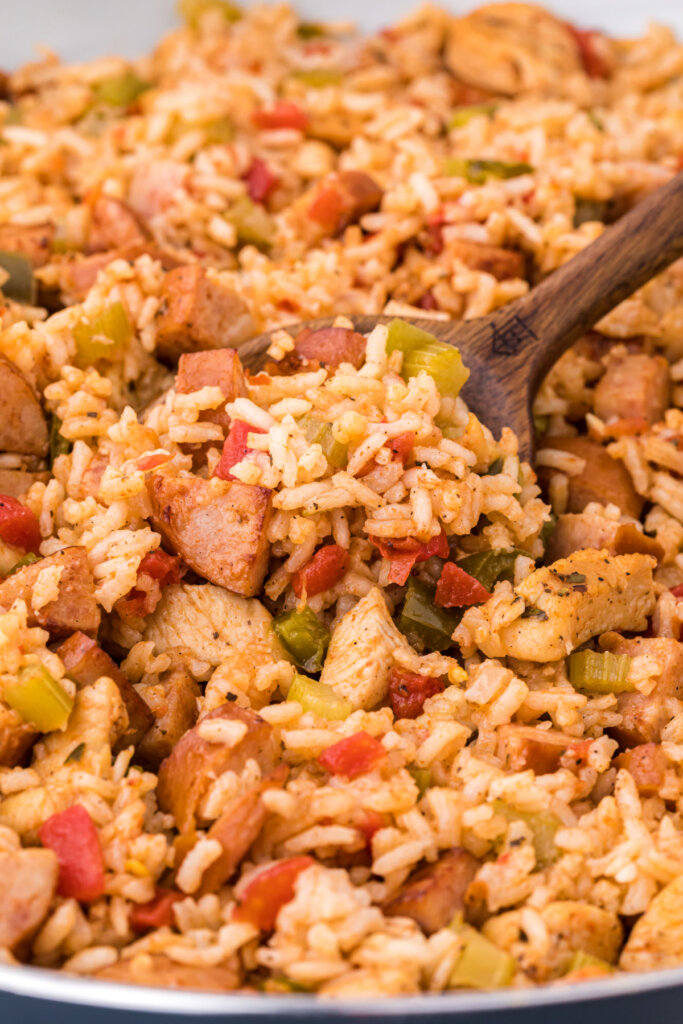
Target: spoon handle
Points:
(573, 298)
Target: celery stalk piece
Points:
(21, 283)
(39, 698)
(580, 960)
(600, 672)
(318, 432)
(481, 964)
(254, 226)
(28, 559)
(319, 698)
(105, 336)
(543, 825)
(304, 636)
(406, 337)
(442, 362)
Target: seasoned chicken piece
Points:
(331, 346)
(85, 662)
(656, 941)
(635, 386)
(360, 655)
(154, 186)
(186, 775)
(642, 718)
(220, 368)
(511, 48)
(664, 652)
(16, 482)
(199, 312)
(22, 426)
(28, 882)
(114, 225)
(436, 893)
(572, 600)
(646, 763)
(602, 479)
(576, 531)
(571, 926)
(219, 528)
(223, 629)
(491, 259)
(75, 607)
(16, 737)
(159, 971)
(523, 746)
(31, 240)
(175, 710)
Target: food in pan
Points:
(308, 683)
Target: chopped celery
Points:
(310, 30)
(422, 777)
(442, 362)
(253, 225)
(543, 826)
(580, 960)
(477, 172)
(490, 566)
(105, 336)
(406, 337)
(481, 964)
(318, 432)
(27, 559)
(21, 283)
(192, 10)
(39, 698)
(600, 672)
(588, 210)
(58, 444)
(304, 636)
(318, 78)
(120, 91)
(319, 698)
(463, 115)
(423, 623)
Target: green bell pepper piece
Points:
(319, 698)
(21, 284)
(304, 637)
(490, 566)
(422, 622)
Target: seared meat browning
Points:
(436, 893)
(75, 608)
(22, 426)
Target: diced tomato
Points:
(328, 208)
(156, 913)
(593, 62)
(457, 589)
(677, 591)
(153, 461)
(432, 235)
(408, 692)
(427, 301)
(282, 115)
(72, 836)
(406, 552)
(161, 566)
(627, 427)
(352, 756)
(260, 180)
(326, 568)
(268, 892)
(575, 756)
(402, 445)
(18, 525)
(368, 824)
(235, 448)
(142, 600)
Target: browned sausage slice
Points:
(643, 718)
(635, 386)
(174, 714)
(522, 746)
(74, 609)
(491, 259)
(647, 765)
(219, 367)
(22, 425)
(331, 346)
(16, 737)
(113, 225)
(433, 895)
(603, 478)
(34, 241)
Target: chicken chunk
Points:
(576, 531)
(175, 710)
(635, 386)
(521, 747)
(75, 607)
(22, 426)
(114, 225)
(28, 882)
(159, 971)
(360, 655)
(436, 893)
(31, 240)
(646, 763)
(199, 312)
(602, 479)
(218, 528)
(16, 482)
(491, 259)
(570, 601)
(224, 630)
(194, 764)
(331, 346)
(16, 737)
(656, 941)
(85, 662)
(571, 926)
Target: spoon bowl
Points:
(508, 352)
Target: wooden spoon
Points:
(509, 352)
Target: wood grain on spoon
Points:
(509, 351)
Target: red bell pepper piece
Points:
(160, 567)
(326, 568)
(408, 692)
(18, 525)
(457, 589)
(401, 445)
(235, 448)
(593, 62)
(260, 180)
(368, 824)
(148, 462)
(406, 552)
(677, 591)
(72, 836)
(352, 756)
(329, 209)
(282, 115)
(156, 913)
(268, 892)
